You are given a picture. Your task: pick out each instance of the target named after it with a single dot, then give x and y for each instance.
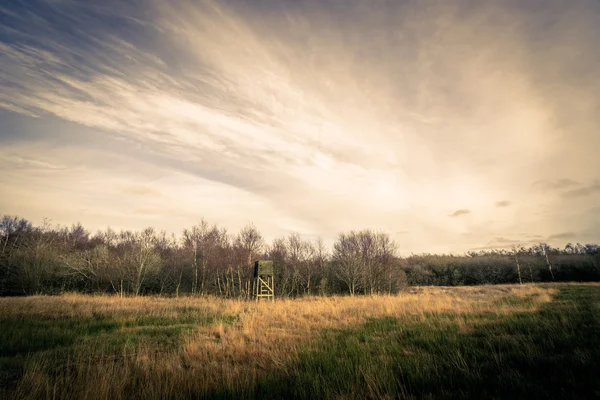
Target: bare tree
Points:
(39, 258)
(299, 253)
(390, 276)
(319, 264)
(140, 259)
(250, 241)
(202, 242)
(545, 249)
(364, 260)
(349, 267)
(170, 274)
(89, 266)
(515, 252)
(12, 232)
(278, 254)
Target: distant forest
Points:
(207, 260)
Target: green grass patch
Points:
(25, 335)
(56, 339)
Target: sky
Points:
(451, 125)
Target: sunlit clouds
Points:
(456, 122)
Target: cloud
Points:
(503, 203)
(462, 211)
(504, 240)
(139, 190)
(161, 212)
(563, 235)
(507, 242)
(500, 241)
(530, 235)
(566, 183)
(26, 163)
(556, 184)
(583, 191)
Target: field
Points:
(526, 341)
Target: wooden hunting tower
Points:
(263, 284)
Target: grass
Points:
(552, 352)
(467, 342)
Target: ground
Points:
(529, 341)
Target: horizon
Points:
(313, 240)
(451, 127)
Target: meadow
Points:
(501, 341)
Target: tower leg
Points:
(273, 289)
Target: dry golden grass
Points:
(262, 339)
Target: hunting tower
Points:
(263, 284)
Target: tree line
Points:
(208, 260)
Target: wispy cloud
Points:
(458, 213)
(503, 203)
(556, 184)
(507, 241)
(583, 191)
(140, 190)
(20, 162)
(563, 236)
